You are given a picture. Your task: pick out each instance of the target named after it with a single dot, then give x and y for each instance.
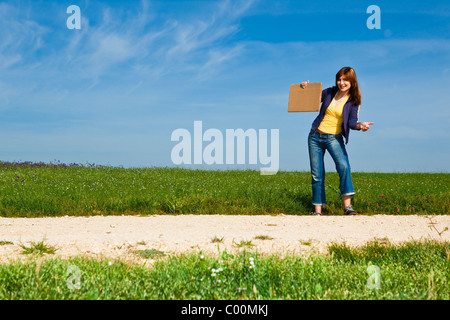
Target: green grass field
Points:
(41, 190)
(414, 270)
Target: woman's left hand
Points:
(364, 126)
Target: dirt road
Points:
(122, 236)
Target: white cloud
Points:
(20, 38)
(122, 43)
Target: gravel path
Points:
(121, 236)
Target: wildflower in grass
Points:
(382, 195)
(215, 272)
(252, 263)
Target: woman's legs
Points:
(347, 201)
(318, 144)
(316, 155)
(337, 150)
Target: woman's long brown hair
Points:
(350, 75)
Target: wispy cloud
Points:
(124, 42)
(21, 37)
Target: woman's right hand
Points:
(304, 84)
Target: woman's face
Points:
(343, 84)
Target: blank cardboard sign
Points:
(305, 100)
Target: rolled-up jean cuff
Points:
(319, 204)
(348, 194)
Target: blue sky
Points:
(113, 92)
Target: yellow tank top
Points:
(332, 121)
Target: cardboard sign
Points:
(305, 100)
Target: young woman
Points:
(338, 114)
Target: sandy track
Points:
(121, 236)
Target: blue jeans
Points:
(318, 144)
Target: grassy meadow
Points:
(413, 270)
(37, 190)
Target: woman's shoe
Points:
(348, 211)
(316, 214)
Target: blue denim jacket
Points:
(350, 113)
